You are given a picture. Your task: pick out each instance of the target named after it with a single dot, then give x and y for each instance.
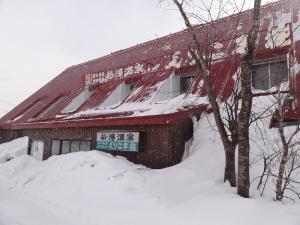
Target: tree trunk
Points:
(243, 134)
(245, 112)
(243, 171)
(279, 181)
(284, 159)
(202, 64)
(229, 173)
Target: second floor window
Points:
(270, 74)
(185, 83)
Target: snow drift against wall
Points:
(88, 188)
(13, 149)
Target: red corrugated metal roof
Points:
(154, 61)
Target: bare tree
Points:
(227, 127)
(234, 128)
(288, 153)
(281, 146)
(281, 152)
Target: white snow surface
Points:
(93, 188)
(13, 149)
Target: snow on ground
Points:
(13, 149)
(89, 188)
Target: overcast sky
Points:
(40, 38)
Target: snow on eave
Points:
(148, 107)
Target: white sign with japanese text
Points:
(118, 141)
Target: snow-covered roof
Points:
(79, 92)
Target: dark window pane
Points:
(65, 147)
(55, 147)
(85, 146)
(75, 146)
(260, 77)
(278, 73)
(185, 83)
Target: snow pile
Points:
(13, 149)
(89, 188)
(147, 108)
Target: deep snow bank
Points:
(97, 188)
(13, 149)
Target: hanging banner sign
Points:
(118, 141)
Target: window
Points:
(67, 146)
(266, 75)
(55, 147)
(85, 146)
(75, 146)
(185, 83)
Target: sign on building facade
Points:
(118, 141)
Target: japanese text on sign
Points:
(118, 141)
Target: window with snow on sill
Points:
(270, 74)
(173, 86)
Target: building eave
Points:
(161, 119)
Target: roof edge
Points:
(171, 118)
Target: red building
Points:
(138, 102)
